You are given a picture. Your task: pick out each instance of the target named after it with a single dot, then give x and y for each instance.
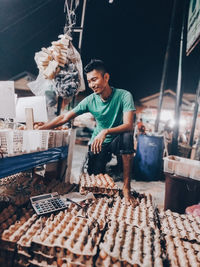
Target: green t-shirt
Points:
(109, 113)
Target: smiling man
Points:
(113, 111)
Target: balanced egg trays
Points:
(97, 184)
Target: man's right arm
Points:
(58, 121)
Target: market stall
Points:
(46, 221)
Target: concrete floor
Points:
(156, 188)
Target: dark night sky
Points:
(129, 35)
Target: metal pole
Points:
(196, 108)
(82, 24)
(179, 86)
(165, 67)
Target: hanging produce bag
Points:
(61, 65)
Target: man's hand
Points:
(98, 141)
(129, 200)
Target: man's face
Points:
(97, 81)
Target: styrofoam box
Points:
(188, 168)
(170, 163)
(182, 166)
(195, 170)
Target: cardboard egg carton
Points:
(183, 226)
(15, 178)
(18, 188)
(126, 245)
(7, 213)
(24, 243)
(74, 239)
(97, 184)
(97, 210)
(43, 261)
(40, 260)
(15, 231)
(182, 253)
(9, 216)
(140, 215)
(6, 257)
(22, 259)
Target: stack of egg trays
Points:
(97, 184)
(13, 230)
(128, 245)
(182, 238)
(67, 238)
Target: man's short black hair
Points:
(95, 64)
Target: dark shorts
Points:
(122, 144)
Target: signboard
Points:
(193, 30)
(37, 103)
(7, 100)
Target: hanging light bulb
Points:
(110, 1)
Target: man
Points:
(113, 110)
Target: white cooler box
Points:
(182, 167)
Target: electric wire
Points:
(24, 17)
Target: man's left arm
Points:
(127, 126)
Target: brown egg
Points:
(113, 259)
(104, 181)
(59, 262)
(103, 254)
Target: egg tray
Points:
(14, 186)
(183, 226)
(22, 260)
(13, 234)
(78, 236)
(15, 178)
(43, 261)
(97, 184)
(182, 253)
(12, 215)
(24, 243)
(141, 215)
(97, 210)
(19, 188)
(130, 246)
(7, 257)
(71, 260)
(61, 236)
(6, 213)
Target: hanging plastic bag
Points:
(41, 85)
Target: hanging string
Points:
(69, 8)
